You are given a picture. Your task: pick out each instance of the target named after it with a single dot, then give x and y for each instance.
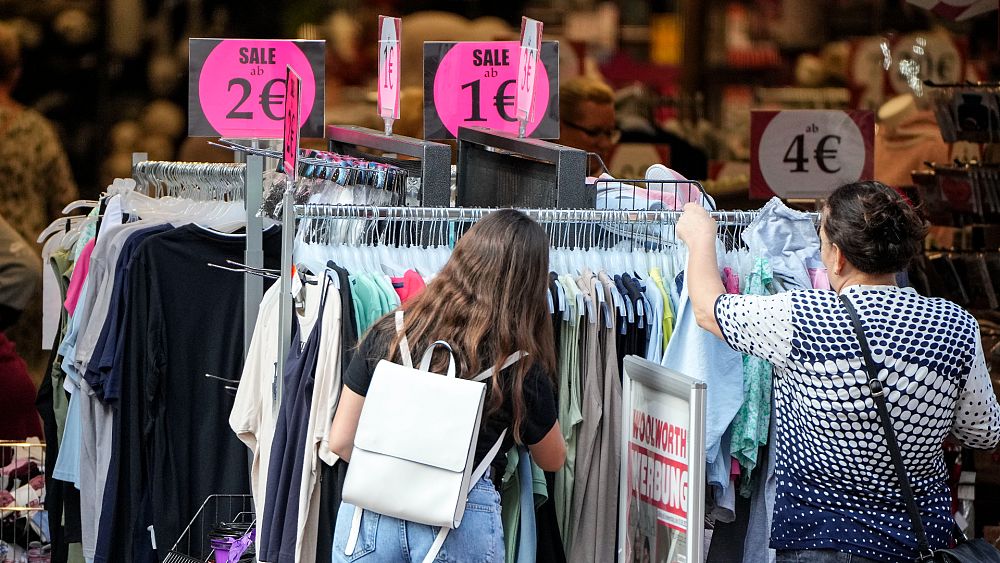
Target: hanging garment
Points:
(520, 477)
(595, 495)
(279, 527)
(752, 421)
(699, 354)
(96, 416)
(570, 408)
(408, 286)
(254, 413)
(789, 241)
(326, 394)
(171, 419)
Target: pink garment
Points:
(80, 271)
(734, 470)
(408, 286)
(730, 280)
(819, 278)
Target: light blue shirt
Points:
(698, 353)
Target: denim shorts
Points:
(384, 539)
(819, 556)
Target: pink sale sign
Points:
(237, 87)
(474, 84)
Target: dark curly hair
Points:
(878, 231)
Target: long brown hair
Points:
(488, 302)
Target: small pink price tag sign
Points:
(236, 87)
(474, 84)
(527, 63)
(290, 153)
(390, 31)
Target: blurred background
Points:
(112, 74)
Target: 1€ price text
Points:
(475, 84)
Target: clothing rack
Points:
(247, 180)
(565, 217)
(472, 214)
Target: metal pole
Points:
(285, 303)
(253, 285)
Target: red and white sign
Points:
(957, 10)
(290, 145)
(236, 87)
(657, 477)
(527, 66)
(809, 153)
(390, 34)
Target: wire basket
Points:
(228, 511)
(24, 523)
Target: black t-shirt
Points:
(184, 319)
(539, 400)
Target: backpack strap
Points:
(404, 345)
(425, 361)
(511, 360)
(477, 474)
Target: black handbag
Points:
(966, 550)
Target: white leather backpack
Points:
(416, 442)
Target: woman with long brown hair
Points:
(488, 302)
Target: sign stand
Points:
(432, 167)
(662, 480)
(253, 285)
(502, 170)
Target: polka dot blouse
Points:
(836, 488)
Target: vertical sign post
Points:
(290, 166)
(531, 42)
(390, 30)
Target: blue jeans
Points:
(819, 556)
(390, 540)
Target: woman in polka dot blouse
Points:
(837, 495)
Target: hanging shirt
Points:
(752, 421)
(253, 415)
(281, 527)
(697, 353)
(80, 269)
(175, 447)
(836, 483)
(668, 310)
(788, 239)
(408, 286)
(570, 408)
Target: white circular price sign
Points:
(807, 153)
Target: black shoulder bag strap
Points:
(878, 394)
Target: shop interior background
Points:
(112, 74)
